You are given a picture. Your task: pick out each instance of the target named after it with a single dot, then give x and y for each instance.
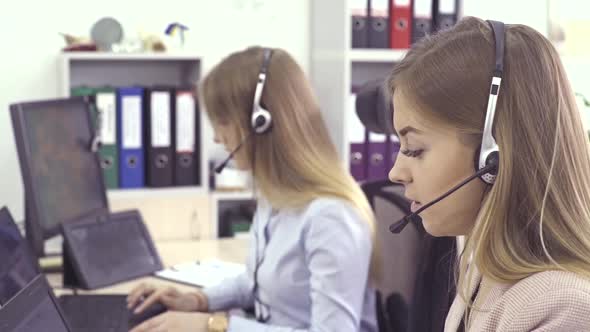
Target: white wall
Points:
(529, 12)
(537, 13)
(572, 17)
(30, 45)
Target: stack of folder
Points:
(397, 24)
(149, 135)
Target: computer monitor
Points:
(61, 174)
(17, 268)
(34, 308)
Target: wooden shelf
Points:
(105, 56)
(233, 195)
(376, 55)
(179, 191)
(155, 192)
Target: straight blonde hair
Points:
(536, 216)
(296, 162)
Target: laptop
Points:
(19, 270)
(33, 308)
(106, 250)
(87, 313)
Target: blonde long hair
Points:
(536, 216)
(296, 161)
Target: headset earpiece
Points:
(261, 119)
(492, 158)
(488, 153)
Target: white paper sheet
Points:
(204, 273)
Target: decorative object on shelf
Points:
(153, 43)
(77, 43)
(176, 29)
(106, 32)
(72, 40)
(131, 45)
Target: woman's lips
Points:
(415, 206)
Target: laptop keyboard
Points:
(90, 313)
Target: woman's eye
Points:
(412, 153)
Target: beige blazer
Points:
(546, 301)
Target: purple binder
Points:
(377, 157)
(358, 147)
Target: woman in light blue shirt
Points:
(312, 258)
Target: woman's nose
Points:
(399, 173)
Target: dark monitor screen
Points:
(18, 266)
(112, 250)
(33, 309)
(62, 176)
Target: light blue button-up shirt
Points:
(314, 275)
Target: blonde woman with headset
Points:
(486, 109)
(312, 255)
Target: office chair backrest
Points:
(400, 254)
(413, 293)
(401, 251)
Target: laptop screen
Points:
(42, 317)
(34, 308)
(18, 266)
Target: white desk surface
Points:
(172, 252)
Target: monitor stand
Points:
(47, 251)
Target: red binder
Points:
(401, 23)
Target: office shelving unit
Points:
(173, 212)
(336, 67)
(124, 69)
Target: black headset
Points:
(487, 158)
(489, 154)
(261, 120)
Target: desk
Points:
(172, 252)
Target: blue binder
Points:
(130, 137)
